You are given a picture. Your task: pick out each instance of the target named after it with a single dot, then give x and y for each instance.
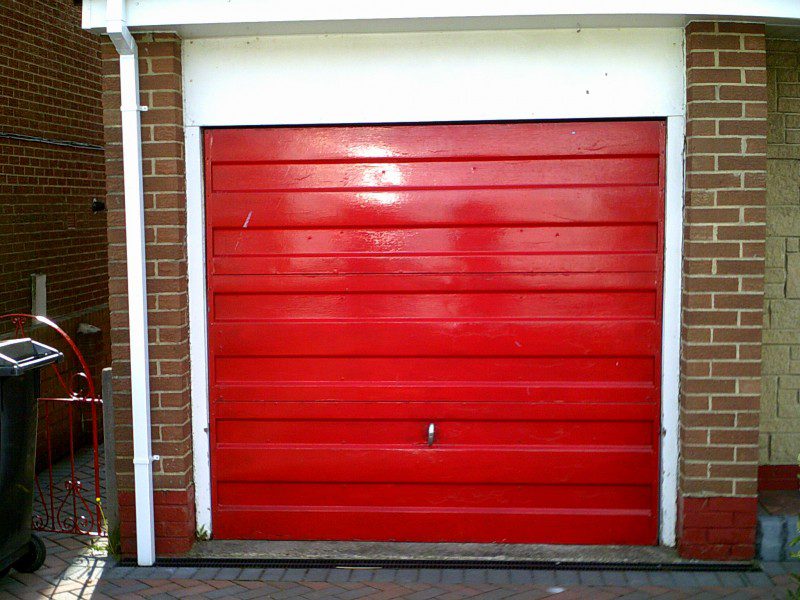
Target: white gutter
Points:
(117, 30)
(221, 18)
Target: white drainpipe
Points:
(117, 30)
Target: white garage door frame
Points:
(427, 78)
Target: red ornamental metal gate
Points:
(68, 491)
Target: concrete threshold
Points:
(282, 550)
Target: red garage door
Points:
(436, 333)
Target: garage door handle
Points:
(431, 433)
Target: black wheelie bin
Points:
(20, 362)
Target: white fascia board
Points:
(203, 17)
(433, 77)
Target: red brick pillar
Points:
(165, 224)
(723, 285)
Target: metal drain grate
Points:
(331, 563)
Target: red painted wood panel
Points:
(555, 206)
(486, 174)
(440, 496)
(411, 371)
(452, 432)
(601, 138)
(488, 525)
(616, 271)
(502, 281)
(478, 464)
(454, 306)
(433, 241)
(552, 403)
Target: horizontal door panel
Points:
(426, 282)
(390, 339)
(567, 526)
(564, 398)
(435, 141)
(451, 306)
(413, 371)
(515, 206)
(337, 463)
(496, 174)
(435, 496)
(435, 241)
(371, 431)
(428, 411)
(559, 271)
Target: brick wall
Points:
(165, 222)
(50, 86)
(780, 394)
(722, 288)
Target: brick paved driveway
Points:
(76, 570)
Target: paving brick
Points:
(206, 572)
(475, 576)
(773, 568)
(685, 579)
(337, 575)
(117, 572)
(569, 578)
(163, 573)
(519, 576)
(637, 578)
(272, 574)
(162, 596)
(293, 574)
(614, 578)
(731, 580)
(226, 592)
(407, 575)
(430, 575)
(707, 579)
(591, 578)
(318, 574)
(661, 579)
(424, 594)
(358, 592)
(761, 580)
(498, 576)
(185, 572)
(496, 594)
(362, 574)
(637, 595)
(452, 576)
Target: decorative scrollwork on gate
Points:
(62, 504)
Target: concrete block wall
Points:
(780, 399)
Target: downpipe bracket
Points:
(147, 461)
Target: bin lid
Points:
(24, 354)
